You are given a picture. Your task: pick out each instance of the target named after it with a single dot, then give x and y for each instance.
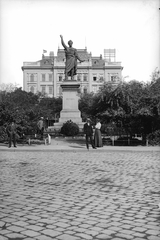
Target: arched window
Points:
(32, 78)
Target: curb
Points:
(77, 148)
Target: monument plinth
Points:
(70, 109)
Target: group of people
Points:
(93, 137)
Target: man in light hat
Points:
(40, 126)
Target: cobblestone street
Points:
(80, 195)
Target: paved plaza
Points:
(73, 194)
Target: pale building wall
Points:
(103, 74)
(38, 83)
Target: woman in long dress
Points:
(97, 135)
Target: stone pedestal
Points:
(70, 109)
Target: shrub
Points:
(3, 134)
(154, 138)
(127, 141)
(70, 128)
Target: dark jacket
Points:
(88, 130)
(11, 129)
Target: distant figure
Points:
(11, 132)
(97, 135)
(40, 126)
(88, 130)
(71, 59)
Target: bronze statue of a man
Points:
(71, 59)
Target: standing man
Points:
(40, 126)
(88, 130)
(12, 131)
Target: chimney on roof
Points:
(100, 56)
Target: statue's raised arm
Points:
(62, 41)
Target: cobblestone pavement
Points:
(80, 195)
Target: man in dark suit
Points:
(12, 131)
(88, 130)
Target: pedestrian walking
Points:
(40, 126)
(97, 134)
(88, 131)
(12, 132)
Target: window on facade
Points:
(101, 78)
(80, 90)
(85, 77)
(113, 78)
(94, 89)
(60, 78)
(43, 77)
(32, 89)
(85, 90)
(79, 77)
(32, 78)
(50, 77)
(50, 89)
(94, 78)
(43, 89)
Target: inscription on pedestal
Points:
(70, 109)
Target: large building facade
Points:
(47, 74)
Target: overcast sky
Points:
(130, 26)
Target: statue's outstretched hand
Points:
(61, 36)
